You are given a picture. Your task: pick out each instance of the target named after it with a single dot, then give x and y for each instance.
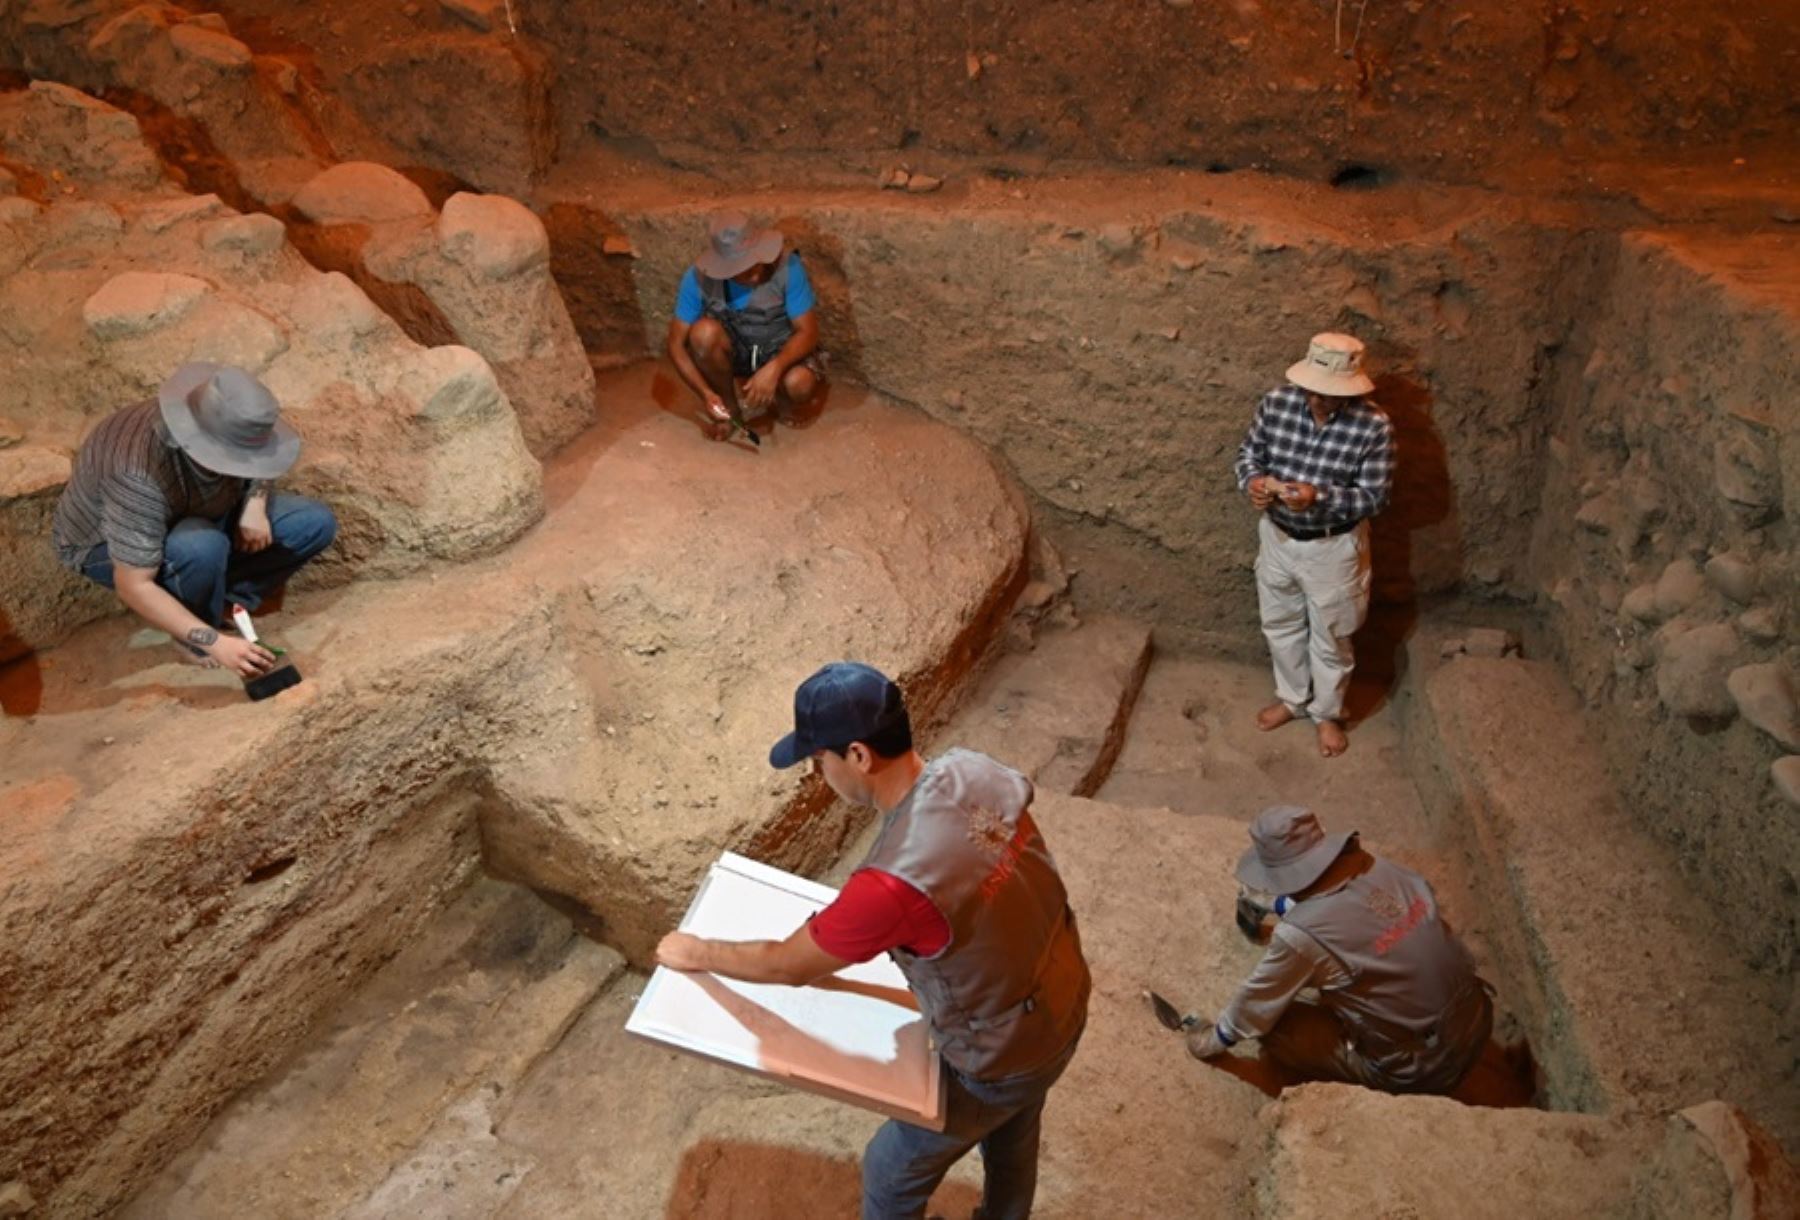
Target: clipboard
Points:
(857, 1036)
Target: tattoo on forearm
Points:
(202, 637)
(259, 489)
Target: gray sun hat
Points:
(1288, 850)
(736, 244)
(227, 421)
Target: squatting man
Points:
(963, 893)
(745, 335)
(171, 505)
(1362, 981)
(1317, 463)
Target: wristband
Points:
(1222, 1036)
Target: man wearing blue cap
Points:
(170, 505)
(961, 890)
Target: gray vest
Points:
(1009, 992)
(762, 322)
(1413, 997)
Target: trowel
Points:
(734, 421)
(737, 421)
(1169, 1015)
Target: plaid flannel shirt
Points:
(1350, 460)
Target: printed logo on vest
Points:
(995, 842)
(1384, 904)
(987, 831)
(1398, 931)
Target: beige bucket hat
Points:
(1333, 366)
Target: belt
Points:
(1315, 535)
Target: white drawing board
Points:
(856, 1036)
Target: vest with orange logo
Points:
(1009, 991)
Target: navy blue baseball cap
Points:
(844, 702)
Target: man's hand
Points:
(253, 532)
(1263, 491)
(1251, 919)
(1203, 1041)
(1300, 496)
(715, 407)
(681, 951)
(241, 657)
(762, 387)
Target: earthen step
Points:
(1058, 712)
(1629, 986)
(397, 1093)
(1336, 1150)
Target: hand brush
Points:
(276, 680)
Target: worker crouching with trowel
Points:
(745, 335)
(1398, 1007)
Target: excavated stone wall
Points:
(477, 274)
(111, 276)
(1666, 547)
(166, 941)
(181, 66)
(1454, 92)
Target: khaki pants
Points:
(1313, 596)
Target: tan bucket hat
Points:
(1333, 366)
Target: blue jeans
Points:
(201, 570)
(903, 1164)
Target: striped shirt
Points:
(130, 484)
(1350, 460)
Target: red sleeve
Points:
(875, 912)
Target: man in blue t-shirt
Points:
(745, 334)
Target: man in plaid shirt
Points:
(1318, 462)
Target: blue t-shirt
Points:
(690, 308)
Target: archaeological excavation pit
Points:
(367, 948)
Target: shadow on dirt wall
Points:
(21, 675)
(1422, 501)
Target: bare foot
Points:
(1332, 740)
(1274, 716)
